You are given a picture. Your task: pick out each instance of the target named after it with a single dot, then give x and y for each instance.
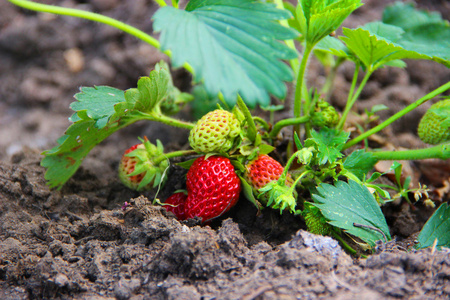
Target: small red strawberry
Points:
(178, 200)
(263, 170)
(141, 168)
(213, 188)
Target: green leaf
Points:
(248, 193)
(232, 45)
(322, 17)
(328, 142)
(377, 44)
(347, 203)
(251, 127)
(436, 228)
(186, 164)
(98, 102)
(332, 45)
(360, 163)
(295, 22)
(101, 111)
(404, 15)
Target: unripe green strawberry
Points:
(213, 188)
(262, 171)
(215, 132)
(434, 127)
(324, 115)
(315, 221)
(141, 167)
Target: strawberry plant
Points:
(245, 53)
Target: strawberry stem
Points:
(287, 122)
(440, 151)
(78, 13)
(171, 121)
(89, 16)
(353, 97)
(398, 115)
(173, 154)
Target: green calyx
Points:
(150, 167)
(434, 127)
(279, 194)
(324, 115)
(315, 221)
(215, 132)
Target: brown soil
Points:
(77, 243)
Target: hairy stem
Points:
(89, 16)
(287, 122)
(440, 151)
(262, 122)
(171, 121)
(327, 88)
(300, 83)
(173, 154)
(398, 115)
(355, 97)
(78, 13)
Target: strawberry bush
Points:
(248, 54)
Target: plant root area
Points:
(79, 242)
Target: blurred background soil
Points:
(77, 243)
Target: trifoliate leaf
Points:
(436, 228)
(328, 142)
(377, 44)
(101, 111)
(232, 45)
(322, 17)
(348, 203)
(360, 163)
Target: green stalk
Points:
(262, 122)
(294, 185)
(300, 83)
(171, 121)
(327, 88)
(89, 16)
(440, 151)
(344, 244)
(173, 154)
(78, 13)
(287, 122)
(398, 115)
(355, 97)
(161, 3)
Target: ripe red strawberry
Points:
(137, 167)
(263, 170)
(213, 188)
(179, 202)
